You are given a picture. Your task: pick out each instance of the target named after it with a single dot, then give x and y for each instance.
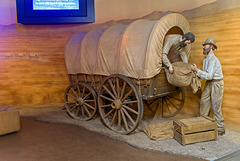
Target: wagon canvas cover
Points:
(133, 50)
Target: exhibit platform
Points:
(209, 150)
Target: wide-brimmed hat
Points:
(210, 41)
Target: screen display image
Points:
(55, 4)
(55, 11)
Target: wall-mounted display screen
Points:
(55, 11)
(55, 4)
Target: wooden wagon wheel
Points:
(120, 104)
(170, 104)
(81, 101)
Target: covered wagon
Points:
(116, 70)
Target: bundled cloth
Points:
(183, 76)
(160, 130)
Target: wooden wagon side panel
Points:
(154, 87)
(93, 80)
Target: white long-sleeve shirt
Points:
(211, 68)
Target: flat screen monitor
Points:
(55, 11)
(55, 4)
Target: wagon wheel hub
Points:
(80, 101)
(117, 104)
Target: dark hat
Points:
(210, 41)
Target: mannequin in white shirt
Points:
(212, 94)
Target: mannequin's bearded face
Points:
(206, 49)
(184, 43)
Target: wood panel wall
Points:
(33, 72)
(32, 68)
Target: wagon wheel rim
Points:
(120, 104)
(173, 103)
(81, 101)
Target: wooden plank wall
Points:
(33, 72)
(32, 68)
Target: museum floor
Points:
(40, 141)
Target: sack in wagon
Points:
(183, 76)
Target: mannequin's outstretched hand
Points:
(194, 68)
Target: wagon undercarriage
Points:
(119, 102)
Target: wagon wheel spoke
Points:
(129, 109)
(119, 120)
(120, 104)
(83, 91)
(114, 117)
(104, 106)
(127, 95)
(123, 89)
(85, 102)
(167, 106)
(153, 101)
(113, 89)
(129, 102)
(175, 98)
(89, 106)
(109, 92)
(173, 103)
(129, 117)
(152, 108)
(79, 92)
(72, 96)
(73, 107)
(89, 114)
(124, 121)
(78, 110)
(89, 100)
(74, 92)
(70, 102)
(118, 88)
(107, 98)
(108, 113)
(87, 95)
(83, 114)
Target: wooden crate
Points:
(9, 120)
(193, 130)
